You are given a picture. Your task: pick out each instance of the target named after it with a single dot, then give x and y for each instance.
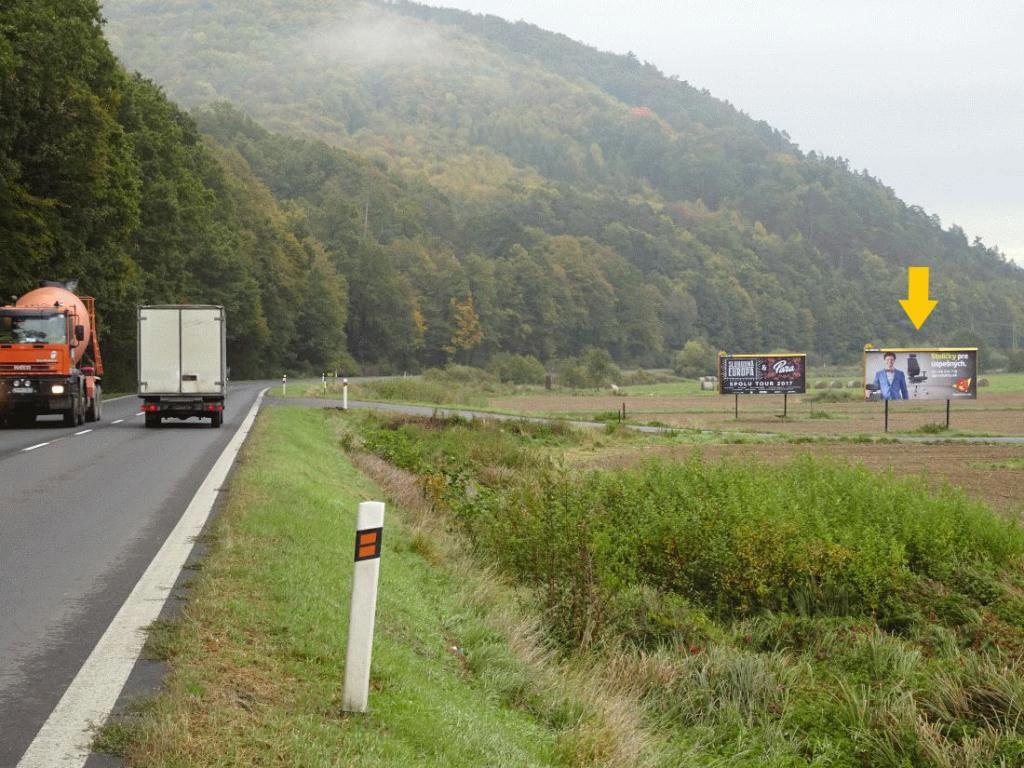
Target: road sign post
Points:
(369, 530)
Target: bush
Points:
(810, 537)
(696, 358)
(516, 369)
(1015, 361)
(591, 370)
(459, 374)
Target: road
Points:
(83, 511)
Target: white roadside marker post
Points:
(344, 394)
(323, 380)
(284, 385)
(369, 529)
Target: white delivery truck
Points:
(182, 367)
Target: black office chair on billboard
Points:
(915, 376)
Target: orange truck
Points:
(50, 357)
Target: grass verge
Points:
(460, 677)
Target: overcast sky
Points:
(927, 95)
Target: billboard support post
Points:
(785, 404)
(737, 407)
(941, 373)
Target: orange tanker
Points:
(50, 357)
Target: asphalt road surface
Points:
(83, 511)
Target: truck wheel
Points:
(152, 419)
(71, 416)
(92, 413)
(217, 419)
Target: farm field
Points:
(997, 411)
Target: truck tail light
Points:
(150, 407)
(214, 407)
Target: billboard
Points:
(762, 374)
(921, 374)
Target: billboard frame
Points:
(907, 350)
(758, 356)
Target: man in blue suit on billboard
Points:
(891, 383)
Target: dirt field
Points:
(996, 413)
(992, 473)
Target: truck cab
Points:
(45, 364)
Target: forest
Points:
(385, 187)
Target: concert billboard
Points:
(921, 374)
(762, 374)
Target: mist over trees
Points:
(388, 186)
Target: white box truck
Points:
(182, 366)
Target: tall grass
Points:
(803, 614)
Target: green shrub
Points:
(459, 374)
(811, 538)
(696, 358)
(516, 369)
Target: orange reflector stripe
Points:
(368, 544)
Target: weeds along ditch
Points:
(805, 614)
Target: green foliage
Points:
(825, 395)
(105, 180)
(807, 613)
(696, 358)
(578, 198)
(517, 369)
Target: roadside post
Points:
(323, 380)
(284, 385)
(369, 530)
(344, 394)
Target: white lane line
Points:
(139, 413)
(115, 399)
(65, 736)
(83, 432)
(33, 447)
(117, 422)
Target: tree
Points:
(467, 333)
(696, 358)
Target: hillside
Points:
(650, 211)
(104, 180)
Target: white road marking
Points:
(119, 397)
(83, 432)
(33, 447)
(139, 413)
(117, 422)
(67, 733)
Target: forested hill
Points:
(103, 180)
(653, 211)
(410, 186)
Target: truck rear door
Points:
(201, 350)
(159, 351)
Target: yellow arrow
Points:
(917, 305)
